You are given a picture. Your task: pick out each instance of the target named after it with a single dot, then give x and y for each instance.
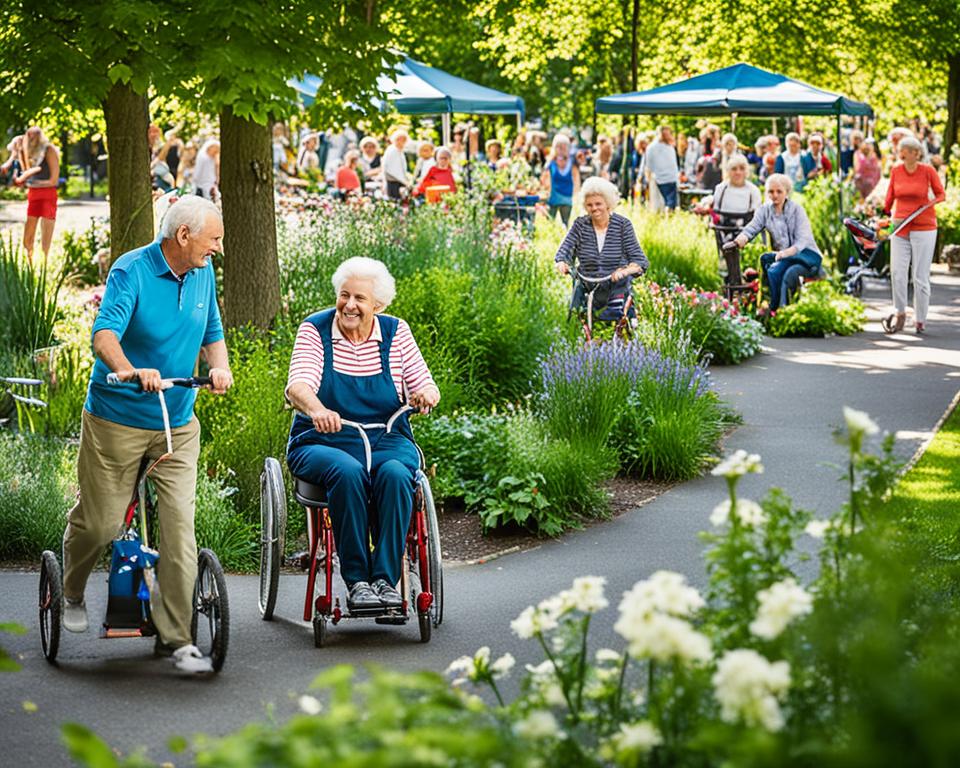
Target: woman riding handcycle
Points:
(351, 366)
(603, 254)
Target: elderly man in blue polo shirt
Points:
(159, 312)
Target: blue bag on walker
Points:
(128, 602)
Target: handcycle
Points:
(421, 579)
(617, 309)
(134, 558)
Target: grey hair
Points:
(792, 135)
(781, 180)
(398, 133)
(729, 137)
(190, 211)
(911, 142)
(444, 150)
(365, 268)
(598, 186)
(737, 161)
(561, 138)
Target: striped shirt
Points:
(620, 247)
(407, 366)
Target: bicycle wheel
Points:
(434, 555)
(51, 605)
(211, 635)
(273, 520)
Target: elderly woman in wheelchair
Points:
(602, 252)
(353, 364)
(795, 255)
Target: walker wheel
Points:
(51, 605)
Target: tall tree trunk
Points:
(251, 273)
(634, 23)
(953, 105)
(128, 170)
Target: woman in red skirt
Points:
(41, 177)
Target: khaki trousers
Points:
(107, 467)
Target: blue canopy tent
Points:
(413, 88)
(740, 89)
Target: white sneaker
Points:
(187, 658)
(74, 615)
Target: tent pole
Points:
(733, 122)
(839, 171)
(445, 123)
(519, 124)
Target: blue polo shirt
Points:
(161, 321)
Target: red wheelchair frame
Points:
(421, 580)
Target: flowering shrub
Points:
(821, 309)
(675, 319)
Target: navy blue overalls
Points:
(337, 462)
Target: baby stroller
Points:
(874, 259)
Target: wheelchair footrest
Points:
(391, 620)
(375, 613)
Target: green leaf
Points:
(119, 73)
(86, 747)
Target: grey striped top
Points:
(620, 247)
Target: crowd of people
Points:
(716, 171)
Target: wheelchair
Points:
(421, 580)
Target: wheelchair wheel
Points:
(434, 556)
(425, 622)
(211, 633)
(51, 605)
(273, 520)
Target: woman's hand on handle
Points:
(426, 398)
(741, 240)
(563, 268)
(325, 421)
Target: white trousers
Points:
(911, 257)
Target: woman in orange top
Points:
(348, 180)
(911, 183)
(439, 175)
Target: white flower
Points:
(780, 604)
(748, 513)
(587, 594)
(665, 592)
(543, 671)
(859, 423)
(539, 724)
(818, 528)
(739, 464)
(532, 621)
(637, 737)
(309, 705)
(663, 638)
(460, 669)
(482, 657)
(607, 654)
(502, 666)
(749, 688)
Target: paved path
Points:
(71, 214)
(790, 399)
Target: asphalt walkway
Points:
(790, 398)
